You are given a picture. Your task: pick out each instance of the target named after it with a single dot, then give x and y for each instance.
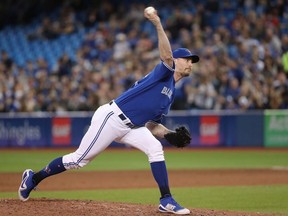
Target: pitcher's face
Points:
(183, 66)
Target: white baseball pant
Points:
(109, 124)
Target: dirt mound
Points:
(48, 207)
(129, 179)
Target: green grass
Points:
(265, 199)
(136, 160)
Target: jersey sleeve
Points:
(162, 70)
(159, 72)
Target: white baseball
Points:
(150, 10)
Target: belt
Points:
(124, 118)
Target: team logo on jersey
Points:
(167, 91)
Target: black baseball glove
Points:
(180, 138)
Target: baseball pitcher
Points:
(134, 118)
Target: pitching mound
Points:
(48, 207)
(129, 179)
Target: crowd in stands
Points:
(242, 44)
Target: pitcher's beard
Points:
(186, 74)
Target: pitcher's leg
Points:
(95, 140)
(99, 136)
(90, 146)
(54, 167)
(142, 139)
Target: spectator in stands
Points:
(232, 93)
(6, 60)
(121, 48)
(67, 21)
(48, 30)
(64, 66)
(91, 18)
(205, 93)
(244, 100)
(247, 49)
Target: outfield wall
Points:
(208, 128)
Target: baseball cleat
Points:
(26, 185)
(169, 205)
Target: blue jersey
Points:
(149, 98)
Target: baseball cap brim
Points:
(185, 53)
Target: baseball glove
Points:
(180, 138)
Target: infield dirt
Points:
(127, 179)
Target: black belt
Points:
(123, 118)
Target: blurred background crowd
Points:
(76, 55)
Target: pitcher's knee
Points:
(74, 161)
(156, 154)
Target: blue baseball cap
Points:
(185, 53)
